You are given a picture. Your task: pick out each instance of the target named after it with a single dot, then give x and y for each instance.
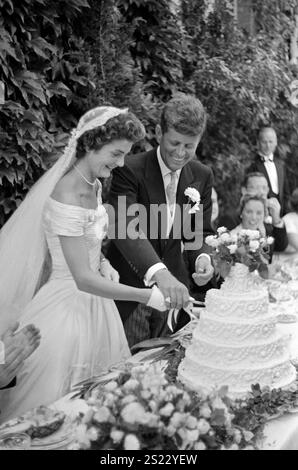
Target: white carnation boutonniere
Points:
(193, 196)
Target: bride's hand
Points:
(108, 272)
(157, 300)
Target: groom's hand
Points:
(175, 293)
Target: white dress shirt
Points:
(166, 175)
(271, 170)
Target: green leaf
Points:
(8, 49)
(8, 173)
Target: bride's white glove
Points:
(157, 300)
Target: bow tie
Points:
(266, 158)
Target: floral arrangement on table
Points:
(247, 247)
(142, 410)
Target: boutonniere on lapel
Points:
(193, 196)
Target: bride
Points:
(81, 330)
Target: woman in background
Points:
(252, 214)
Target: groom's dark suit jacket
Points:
(140, 180)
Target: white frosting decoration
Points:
(236, 342)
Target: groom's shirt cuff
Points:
(200, 256)
(150, 273)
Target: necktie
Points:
(171, 191)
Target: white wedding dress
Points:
(81, 334)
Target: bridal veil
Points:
(23, 246)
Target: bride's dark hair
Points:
(124, 126)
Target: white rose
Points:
(224, 237)
(109, 400)
(92, 433)
(212, 241)
(116, 435)
(110, 386)
(203, 426)
(254, 245)
(151, 420)
(153, 405)
(253, 234)
(133, 413)
(131, 384)
(182, 433)
(177, 419)
(102, 415)
(81, 435)
(237, 436)
(186, 398)
(167, 410)
(199, 446)
(247, 435)
(74, 446)
(270, 240)
(173, 390)
(205, 411)
(192, 435)
(221, 230)
(191, 422)
(128, 399)
(146, 394)
(193, 195)
(232, 249)
(131, 442)
(234, 447)
(171, 430)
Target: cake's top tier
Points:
(243, 297)
(240, 280)
(233, 307)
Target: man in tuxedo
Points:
(160, 177)
(269, 165)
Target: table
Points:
(280, 433)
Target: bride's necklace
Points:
(84, 178)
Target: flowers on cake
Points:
(248, 247)
(141, 409)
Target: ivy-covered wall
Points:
(47, 76)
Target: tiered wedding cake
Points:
(236, 342)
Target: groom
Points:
(157, 177)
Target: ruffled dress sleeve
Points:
(64, 219)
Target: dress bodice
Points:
(61, 219)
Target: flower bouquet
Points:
(142, 410)
(247, 247)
